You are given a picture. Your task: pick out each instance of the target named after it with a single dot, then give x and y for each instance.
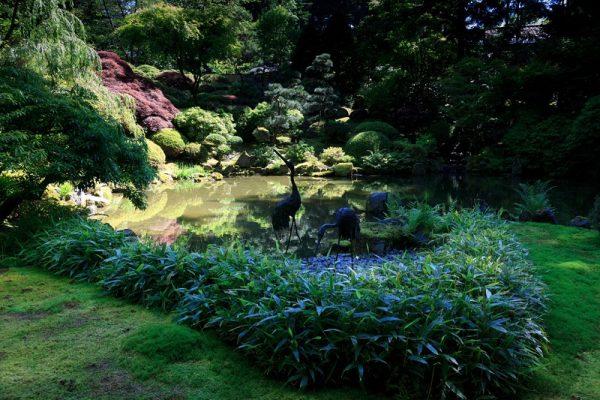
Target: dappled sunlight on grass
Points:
(568, 259)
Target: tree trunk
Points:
(8, 206)
(13, 24)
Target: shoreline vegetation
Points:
(135, 352)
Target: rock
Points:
(127, 233)
(343, 169)
(245, 160)
(210, 163)
(377, 205)
(262, 134)
(276, 168)
(228, 167)
(323, 174)
(216, 176)
(544, 216)
(581, 222)
(283, 140)
(153, 110)
(342, 112)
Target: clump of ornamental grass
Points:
(533, 197)
(150, 274)
(461, 320)
(74, 247)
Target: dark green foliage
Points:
(52, 136)
(75, 248)
(337, 131)
(384, 162)
(170, 141)
(360, 144)
(378, 126)
(251, 119)
(196, 123)
(373, 327)
(150, 274)
(297, 152)
(533, 198)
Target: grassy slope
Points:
(62, 340)
(568, 260)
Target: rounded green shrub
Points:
(156, 155)
(196, 123)
(214, 140)
(335, 155)
(192, 151)
(170, 141)
(147, 71)
(235, 140)
(337, 131)
(360, 144)
(223, 149)
(378, 126)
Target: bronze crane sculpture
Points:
(287, 208)
(347, 223)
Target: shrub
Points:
(343, 169)
(186, 172)
(192, 151)
(403, 321)
(156, 155)
(150, 274)
(235, 140)
(65, 190)
(336, 131)
(595, 214)
(533, 198)
(298, 152)
(223, 149)
(263, 154)
(360, 144)
(170, 141)
(335, 155)
(196, 123)
(74, 247)
(384, 162)
(252, 118)
(147, 71)
(214, 140)
(378, 126)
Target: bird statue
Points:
(347, 223)
(287, 208)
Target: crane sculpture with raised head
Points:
(286, 209)
(347, 223)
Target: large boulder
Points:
(581, 222)
(153, 110)
(377, 205)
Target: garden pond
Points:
(240, 207)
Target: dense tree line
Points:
(496, 86)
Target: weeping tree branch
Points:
(13, 24)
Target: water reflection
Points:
(241, 207)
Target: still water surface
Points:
(240, 207)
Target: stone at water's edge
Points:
(377, 205)
(581, 222)
(153, 110)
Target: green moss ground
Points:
(60, 340)
(568, 259)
